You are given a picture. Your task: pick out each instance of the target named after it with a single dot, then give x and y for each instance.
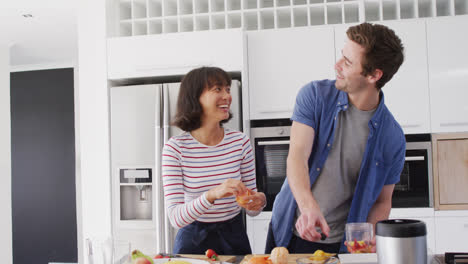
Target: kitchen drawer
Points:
(451, 234)
(257, 230)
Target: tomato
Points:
(211, 254)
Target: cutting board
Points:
(291, 258)
(224, 258)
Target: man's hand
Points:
(307, 222)
(373, 244)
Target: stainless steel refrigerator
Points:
(141, 119)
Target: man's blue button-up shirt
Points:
(318, 105)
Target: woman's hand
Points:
(257, 201)
(229, 187)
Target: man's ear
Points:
(375, 76)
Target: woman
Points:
(205, 167)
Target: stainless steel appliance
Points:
(401, 241)
(415, 186)
(270, 141)
(135, 194)
(140, 126)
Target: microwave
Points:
(270, 142)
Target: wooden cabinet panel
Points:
(450, 160)
(453, 171)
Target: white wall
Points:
(93, 185)
(6, 252)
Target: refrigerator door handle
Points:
(159, 193)
(166, 125)
(166, 118)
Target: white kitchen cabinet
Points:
(451, 234)
(281, 62)
(174, 54)
(448, 73)
(257, 231)
(407, 93)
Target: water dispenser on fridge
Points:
(135, 193)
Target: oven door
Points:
(415, 186)
(270, 158)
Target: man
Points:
(346, 151)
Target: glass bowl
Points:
(358, 237)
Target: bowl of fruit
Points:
(319, 257)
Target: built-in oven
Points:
(270, 140)
(416, 185)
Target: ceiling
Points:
(48, 37)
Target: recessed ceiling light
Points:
(27, 15)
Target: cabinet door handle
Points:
(144, 68)
(454, 124)
(410, 125)
(276, 142)
(414, 158)
(277, 110)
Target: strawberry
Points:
(211, 254)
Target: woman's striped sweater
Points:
(190, 169)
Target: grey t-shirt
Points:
(334, 187)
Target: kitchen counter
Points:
(438, 259)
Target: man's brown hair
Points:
(382, 50)
(189, 110)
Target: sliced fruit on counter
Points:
(211, 254)
(259, 260)
(139, 258)
(320, 255)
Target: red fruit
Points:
(158, 256)
(142, 260)
(211, 254)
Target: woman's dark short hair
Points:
(189, 109)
